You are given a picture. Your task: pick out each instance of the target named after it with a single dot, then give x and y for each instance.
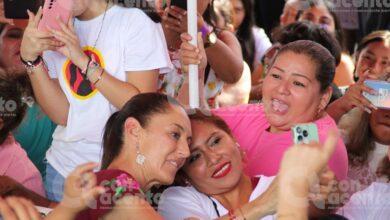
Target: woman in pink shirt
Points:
(296, 90)
(18, 175)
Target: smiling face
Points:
(291, 92)
(10, 41)
(375, 57)
(319, 15)
(215, 164)
(164, 142)
(380, 125)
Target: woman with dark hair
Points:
(293, 32)
(372, 62)
(296, 90)
(35, 131)
(96, 62)
(144, 144)
(254, 42)
(321, 12)
(212, 183)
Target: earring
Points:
(140, 159)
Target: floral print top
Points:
(117, 183)
(170, 83)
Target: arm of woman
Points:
(225, 57)
(47, 91)
(9, 187)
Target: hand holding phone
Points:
(382, 98)
(305, 133)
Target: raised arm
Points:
(47, 91)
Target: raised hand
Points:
(34, 41)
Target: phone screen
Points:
(382, 100)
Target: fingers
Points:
(88, 167)
(65, 30)
(94, 193)
(6, 211)
(37, 17)
(177, 12)
(185, 37)
(31, 210)
(18, 207)
(330, 144)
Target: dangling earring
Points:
(140, 159)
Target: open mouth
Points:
(279, 106)
(222, 170)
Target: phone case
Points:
(382, 100)
(53, 9)
(305, 133)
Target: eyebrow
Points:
(192, 149)
(373, 54)
(179, 126)
(295, 74)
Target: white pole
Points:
(193, 69)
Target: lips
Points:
(222, 170)
(279, 106)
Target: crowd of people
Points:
(95, 120)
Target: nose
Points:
(212, 157)
(377, 69)
(283, 88)
(183, 150)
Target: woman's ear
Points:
(325, 98)
(132, 127)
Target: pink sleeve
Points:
(338, 163)
(22, 170)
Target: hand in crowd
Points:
(34, 41)
(71, 45)
(159, 5)
(175, 19)
(15, 208)
(354, 95)
(320, 192)
(189, 54)
(308, 160)
(80, 188)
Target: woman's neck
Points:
(125, 164)
(238, 196)
(172, 38)
(95, 9)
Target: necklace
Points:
(101, 26)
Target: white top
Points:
(262, 43)
(371, 203)
(178, 203)
(129, 41)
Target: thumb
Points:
(330, 144)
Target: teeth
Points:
(222, 170)
(279, 106)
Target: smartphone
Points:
(179, 3)
(305, 133)
(53, 9)
(382, 100)
(17, 9)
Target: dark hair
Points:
(141, 107)
(376, 36)
(305, 30)
(13, 109)
(209, 15)
(245, 34)
(339, 34)
(325, 62)
(205, 117)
